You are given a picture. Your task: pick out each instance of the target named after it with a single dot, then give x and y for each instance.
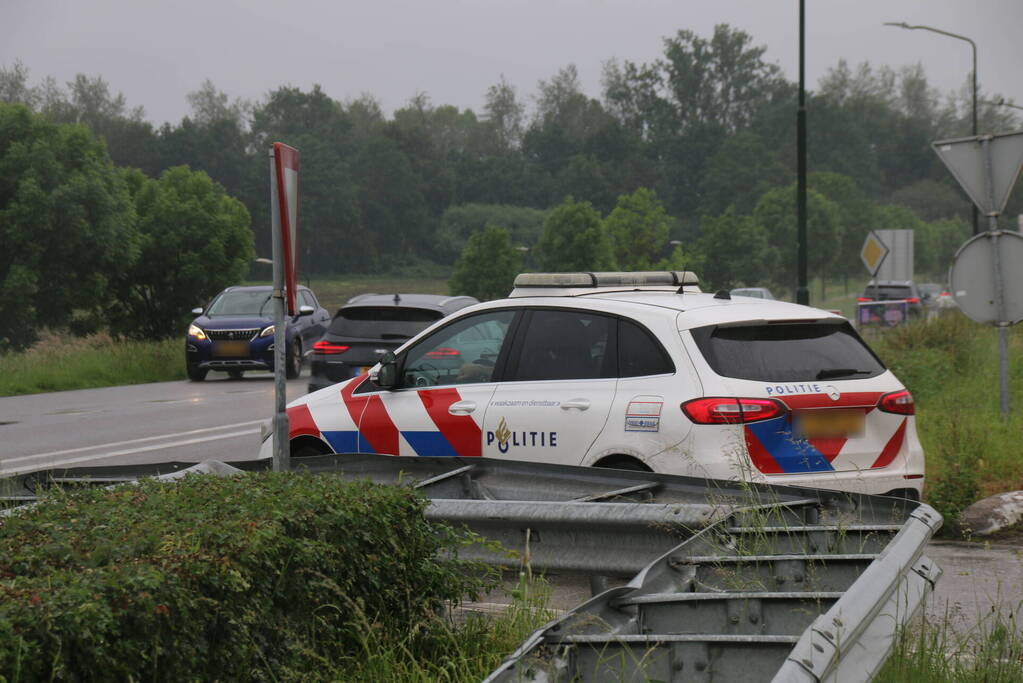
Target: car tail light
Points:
(443, 352)
(946, 294)
(861, 299)
(329, 348)
(716, 411)
(899, 402)
(913, 300)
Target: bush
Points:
(260, 576)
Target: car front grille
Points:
(227, 335)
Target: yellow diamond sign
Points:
(873, 253)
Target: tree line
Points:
(706, 132)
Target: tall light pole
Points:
(802, 290)
(973, 45)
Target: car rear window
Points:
(889, 292)
(382, 322)
(787, 352)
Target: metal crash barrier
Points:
(730, 581)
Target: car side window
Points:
(566, 345)
(308, 299)
(639, 354)
(464, 352)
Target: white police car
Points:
(636, 371)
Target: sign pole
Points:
(281, 452)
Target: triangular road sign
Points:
(967, 160)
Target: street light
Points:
(1001, 103)
(902, 24)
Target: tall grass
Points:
(951, 366)
(460, 648)
(934, 651)
(60, 362)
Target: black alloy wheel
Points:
(293, 363)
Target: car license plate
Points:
(232, 349)
(830, 424)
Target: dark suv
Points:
(894, 290)
(370, 325)
(235, 333)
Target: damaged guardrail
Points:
(731, 581)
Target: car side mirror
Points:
(197, 311)
(305, 310)
(387, 374)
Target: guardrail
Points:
(732, 581)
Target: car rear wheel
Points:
(293, 364)
(235, 374)
(195, 374)
(623, 462)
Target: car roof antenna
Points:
(682, 288)
(397, 299)
(723, 294)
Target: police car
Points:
(636, 371)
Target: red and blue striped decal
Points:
(461, 432)
(377, 433)
(774, 450)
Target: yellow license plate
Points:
(830, 424)
(231, 349)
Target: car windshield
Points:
(787, 352)
(382, 322)
(245, 302)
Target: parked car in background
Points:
(894, 290)
(756, 292)
(235, 333)
(936, 297)
(370, 325)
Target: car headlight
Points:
(267, 331)
(196, 331)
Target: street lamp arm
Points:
(902, 24)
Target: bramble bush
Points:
(263, 576)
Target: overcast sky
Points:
(156, 52)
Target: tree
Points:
(66, 224)
(194, 241)
(459, 223)
(488, 265)
(638, 225)
(742, 169)
(734, 251)
(505, 115)
(574, 239)
(776, 213)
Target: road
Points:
(143, 423)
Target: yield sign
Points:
(986, 167)
(873, 253)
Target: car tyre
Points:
(293, 363)
(235, 374)
(195, 373)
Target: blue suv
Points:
(235, 333)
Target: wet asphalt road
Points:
(144, 423)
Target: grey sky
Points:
(156, 52)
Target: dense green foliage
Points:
(65, 224)
(488, 265)
(575, 238)
(257, 577)
(707, 127)
(194, 240)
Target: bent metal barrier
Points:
(730, 581)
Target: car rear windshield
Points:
(889, 292)
(382, 322)
(787, 352)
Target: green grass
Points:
(60, 362)
(933, 651)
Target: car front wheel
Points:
(293, 366)
(196, 374)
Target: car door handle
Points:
(576, 404)
(462, 407)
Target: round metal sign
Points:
(986, 265)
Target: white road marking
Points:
(63, 462)
(116, 444)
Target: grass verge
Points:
(60, 362)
